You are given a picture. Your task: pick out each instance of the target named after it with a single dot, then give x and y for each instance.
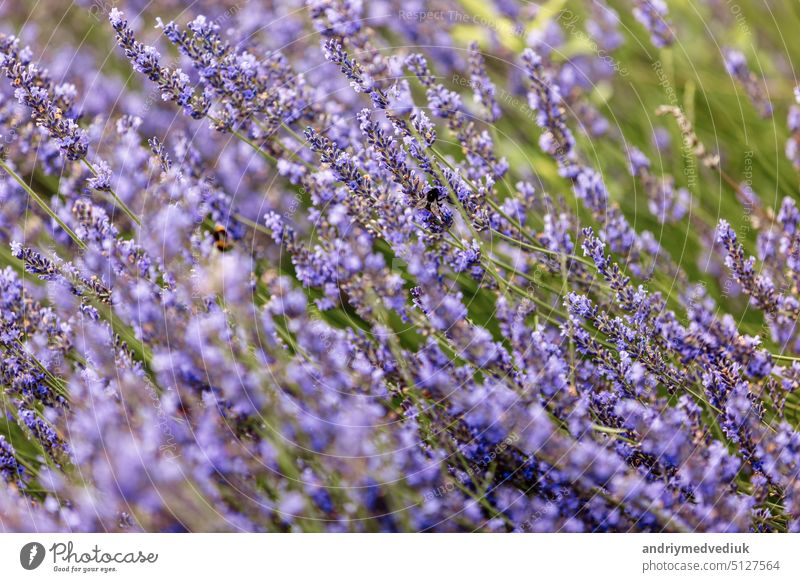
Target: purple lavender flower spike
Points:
(653, 15)
(736, 65)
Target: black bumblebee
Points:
(431, 201)
(221, 238)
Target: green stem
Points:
(117, 200)
(42, 204)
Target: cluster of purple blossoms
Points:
(353, 295)
(49, 106)
(654, 16)
(173, 84)
(755, 88)
(666, 202)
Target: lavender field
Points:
(399, 266)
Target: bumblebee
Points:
(221, 238)
(431, 201)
